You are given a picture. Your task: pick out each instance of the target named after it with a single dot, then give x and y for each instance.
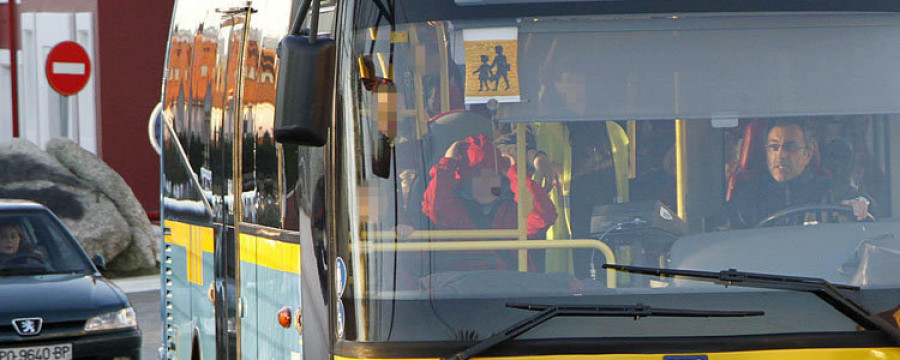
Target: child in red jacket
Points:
(475, 187)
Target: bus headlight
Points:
(124, 318)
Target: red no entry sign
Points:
(68, 68)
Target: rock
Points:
(103, 230)
(32, 174)
(94, 171)
(129, 260)
(23, 161)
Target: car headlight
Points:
(124, 318)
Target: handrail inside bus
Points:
(455, 245)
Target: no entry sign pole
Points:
(14, 66)
(68, 68)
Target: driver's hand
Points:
(860, 207)
(35, 257)
(42, 257)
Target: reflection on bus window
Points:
(603, 151)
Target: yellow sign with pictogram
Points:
(492, 70)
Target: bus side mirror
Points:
(305, 91)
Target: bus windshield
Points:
(493, 160)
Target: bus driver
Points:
(789, 148)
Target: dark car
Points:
(54, 303)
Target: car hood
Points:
(58, 298)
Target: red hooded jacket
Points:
(443, 205)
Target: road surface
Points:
(144, 296)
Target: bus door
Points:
(228, 80)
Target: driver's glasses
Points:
(786, 147)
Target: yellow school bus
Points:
(536, 179)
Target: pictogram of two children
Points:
(486, 72)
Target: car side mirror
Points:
(99, 261)
(305, 91)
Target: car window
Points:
(35, 243)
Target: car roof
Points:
(20, 204)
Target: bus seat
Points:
(750, 163)
(446, 128)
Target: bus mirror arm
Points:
(313, 21)
(297, 23)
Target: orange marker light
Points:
(284, 317)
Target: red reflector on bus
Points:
(284, 317)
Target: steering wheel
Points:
(24, 259)
(845, 210)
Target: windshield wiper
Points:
(823, 289)
(547, 312)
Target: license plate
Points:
(47, 352)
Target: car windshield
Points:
(509, 158)
(33, 243)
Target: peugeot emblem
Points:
(28, 327)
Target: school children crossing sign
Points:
(68, 68)
(491, 65)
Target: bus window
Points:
(551, 147)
